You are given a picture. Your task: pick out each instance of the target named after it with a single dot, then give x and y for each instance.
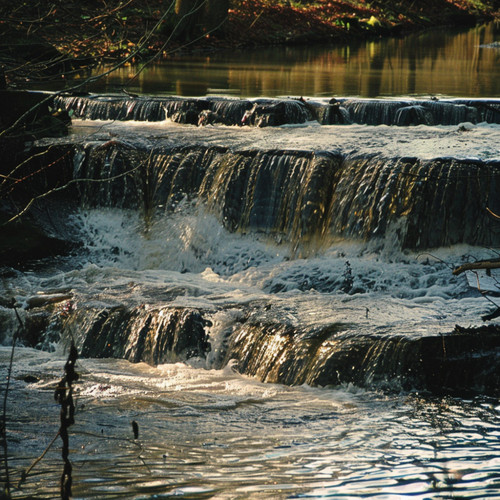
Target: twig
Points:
(88, 80)
(24, 475)
(255, 20)
(112, 11)
(493, 213)
(61, 188)
(4, 412)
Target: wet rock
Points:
(332, 113)
(35, 325)
(187, 116)
(208, 117)
(22, 242)
(185, 111)
(272, 114)
(29, 379)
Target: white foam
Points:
(422, 141)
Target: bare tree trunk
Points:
(216, 16)
(196, 17)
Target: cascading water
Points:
(302, 195)
(239, 259)
(264, 112)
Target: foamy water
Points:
(465, 140)
(217, 434)
(213, 433)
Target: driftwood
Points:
(46, 299)
(480, 264)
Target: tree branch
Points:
(480, 264)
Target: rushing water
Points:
(234, 258)
(443, 62)
(208, 432)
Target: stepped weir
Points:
(274, 112)
(307, 198)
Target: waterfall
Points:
(304, 196)
(329, 356)
(151, 334)
(273, 112)
(263, 343)
(298, 205)
(372, 112)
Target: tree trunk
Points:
(196, 17)
(216, 16)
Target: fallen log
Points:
(480, 264)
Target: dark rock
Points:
(29, 379)
(187, 116)
(22, 242)
(33, 115)
(275, 113)
(208, 117)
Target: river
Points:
(439, 62)
(272, 306)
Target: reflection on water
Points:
(215, 434)
(443, 62)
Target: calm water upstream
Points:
(438, 62)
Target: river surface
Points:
(443, 62)
(207, 431)
(216, 434)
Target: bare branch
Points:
(493, 213)
(65, 186)
(480, 264)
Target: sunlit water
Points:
(206, 433)
(215, 434)
(443, 62)
(210, 433)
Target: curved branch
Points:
(493, 213)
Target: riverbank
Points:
(286, 22)
(55, 41)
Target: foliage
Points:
(59, 37)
